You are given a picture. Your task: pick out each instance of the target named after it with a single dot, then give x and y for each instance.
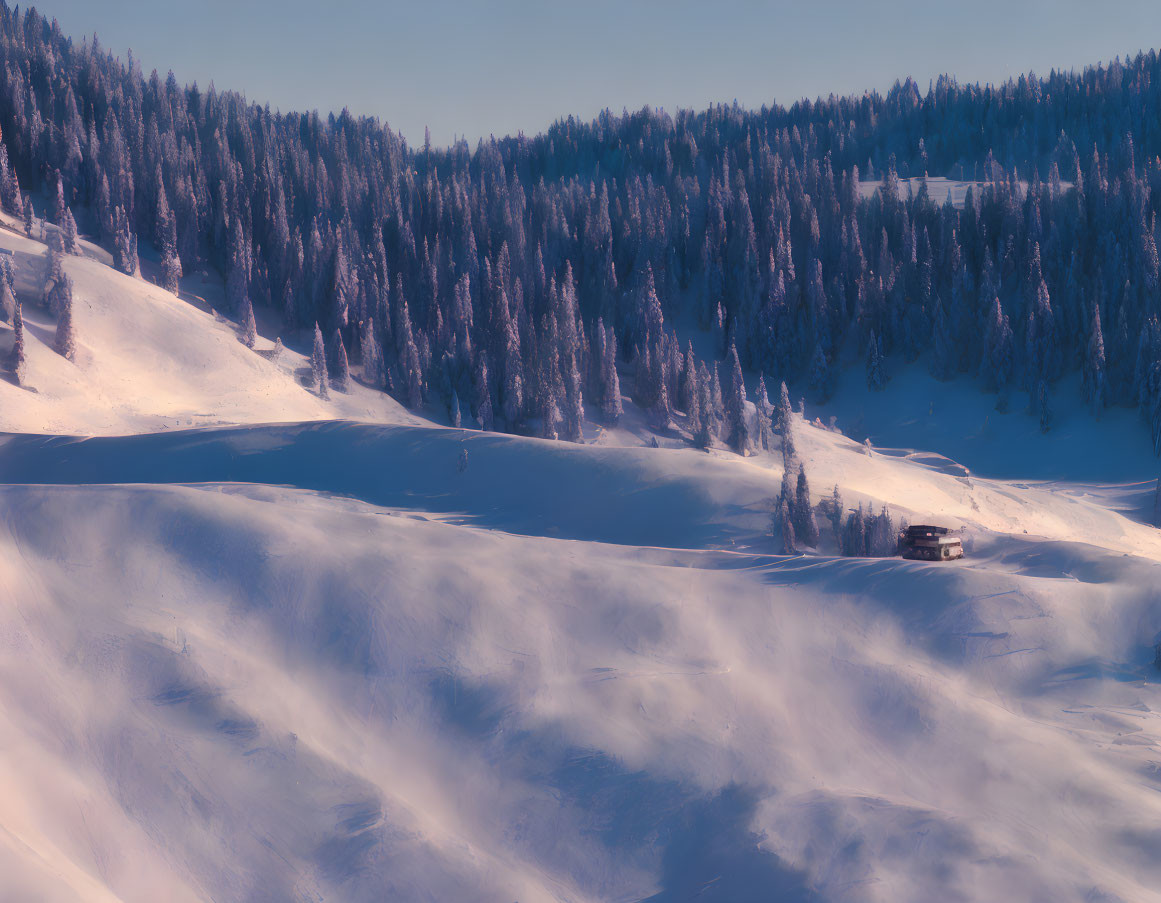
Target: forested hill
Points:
(526, 277)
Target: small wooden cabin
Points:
(923, 542)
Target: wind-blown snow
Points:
(322, 661)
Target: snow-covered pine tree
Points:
(69, 233)
(341, 378)
(805, 525)
(834, 513)
(785, 526)
(7, 297)
(249, 332)
(454, 415)
(66, 340)
(735, 402)
(611, 405)
(765, 437)
(372, 350)
(19, 366)
(482, 394)
(318, 364)
(786, 422)
(703, 435)
(29, 215)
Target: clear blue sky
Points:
(479, 68)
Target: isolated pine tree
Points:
(318, 364)
(249, 328)
(65, 342)
(69, 233)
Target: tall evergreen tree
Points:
(735, 403)
(341, 378)
(19, 366)
(318, 364)
(805, 525)
(66, 340)
(249, 334)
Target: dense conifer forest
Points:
(517, 281)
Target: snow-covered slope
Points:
(355, 661)
(150, 361)
(464, 685)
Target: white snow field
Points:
(319, 660)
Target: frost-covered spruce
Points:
(318, 364)
(764, 412)
(786, 423)
(7, 298)
(785, 529)
(246, 319)
(805, 525)
(342, 369)
(65, 342)
(19, 366)
(735, 402)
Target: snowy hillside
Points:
(643, 636)
(148, 360)
(439, 684)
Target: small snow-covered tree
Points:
(66, 340)
(29, 215)
(764, 413)
(19, 367)
(69, 233)
(318, 364)
(786, 422)
(7, 297)
(249, 332)
(341, 378)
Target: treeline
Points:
(518, 281)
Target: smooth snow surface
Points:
(322, 660)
